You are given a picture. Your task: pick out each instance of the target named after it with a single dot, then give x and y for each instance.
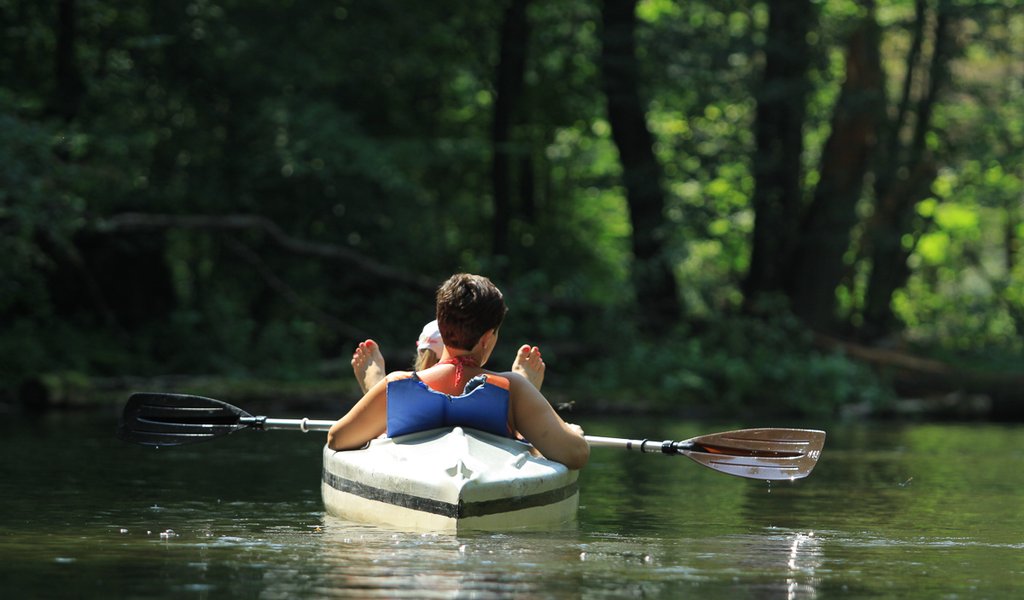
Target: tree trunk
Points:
(527, 190)
(825, 232)
(902, 180)
(781, 106)
(509, 91)
(69, 86)
(892, 221)
(1012, 246)
(653, 279)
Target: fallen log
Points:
(938, 382)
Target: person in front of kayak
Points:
(458, 390)
(368, 362)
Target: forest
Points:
(797, 207)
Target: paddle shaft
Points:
(303, 424)
(665, 447)
(644, 446)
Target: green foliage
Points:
(366, 127)
(730, 366)
(36, 208)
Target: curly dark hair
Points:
(467, 306)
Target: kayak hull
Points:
(448, 480)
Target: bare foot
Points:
(529, 364)
(368, 364)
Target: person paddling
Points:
(458, 390)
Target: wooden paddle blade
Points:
(154, 419)
(769, 468)
(768, 442)
(769, 453)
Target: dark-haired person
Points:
(470, 310)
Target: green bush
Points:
(733, 366)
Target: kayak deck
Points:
(448, 480)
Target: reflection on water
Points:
(775, 563)
(804, 556)
(915, 511)
(379, 562)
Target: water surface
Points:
(920, 511)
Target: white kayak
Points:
(448, 480)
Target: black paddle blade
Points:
(154, 419)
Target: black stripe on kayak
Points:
(447, 509)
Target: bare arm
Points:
(363, 422)
(538, 422)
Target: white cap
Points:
(430, 337)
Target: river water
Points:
(907, 511)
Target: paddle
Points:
(765, 453)
(156, 419)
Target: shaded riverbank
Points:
(336, 390)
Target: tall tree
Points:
(905, 169)
(653, 279)
(509, 90)
(781, 106)
(826, 228)
(69, 87)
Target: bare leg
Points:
(529, 364)
(368, 364)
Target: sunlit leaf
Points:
(933, 247)
(956, 217)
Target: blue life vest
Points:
(413, 406)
